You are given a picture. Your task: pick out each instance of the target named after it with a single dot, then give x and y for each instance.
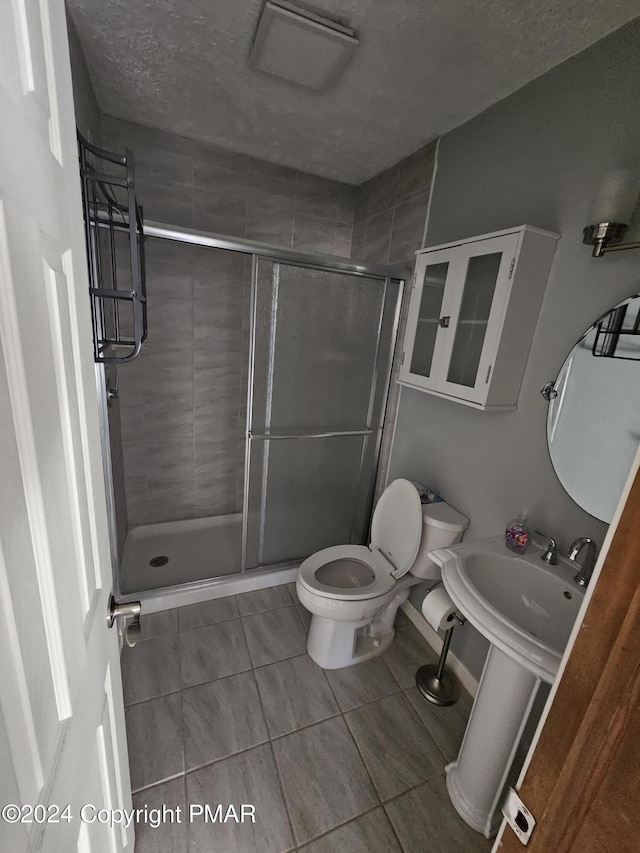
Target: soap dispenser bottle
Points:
(517, 537)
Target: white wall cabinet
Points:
(473, 312)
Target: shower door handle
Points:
(129, 612)
(332, 434)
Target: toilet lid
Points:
(396, 527)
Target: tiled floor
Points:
(224, 706)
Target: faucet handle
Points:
(579, 543)
(550, 556)
(584, 575)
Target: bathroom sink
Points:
(523, 606)
(526, 609)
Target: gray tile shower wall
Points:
(390, 215)
(194, 184)
(391, 209)
(183, 400)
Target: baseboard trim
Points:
(456, 666)
(199, 591)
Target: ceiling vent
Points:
(300, 46)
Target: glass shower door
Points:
(322, 345)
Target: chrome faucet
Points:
(586, 570)
(550, 556)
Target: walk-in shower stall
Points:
(251, 423)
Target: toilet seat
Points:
(396, 528)
(381, 582)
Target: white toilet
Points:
(354, 591)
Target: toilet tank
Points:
(442, 525)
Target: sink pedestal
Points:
(476, 779)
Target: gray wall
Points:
(537, 158)
(187, 183)
(84, 96)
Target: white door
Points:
(62, 740)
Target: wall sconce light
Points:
(610, 212)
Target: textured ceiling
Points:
(422, 68)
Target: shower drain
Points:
(156, 562)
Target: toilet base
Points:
(334, 644)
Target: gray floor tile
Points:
(250, 777)
(408, 652)
(324, 779)
(168, 836)
(158, 624)
(151, 669)
(446, 725)
(424, 819)
(208, 613)
(292, 592)
(362, 683)
(260, 600)
(274, 635)
(295, 693)
(397, 749)
(371, 833)
(221, 718)
(401, 618)
(304, 616)
(154, 737)
(403, 738)
(212, 652)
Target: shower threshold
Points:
(177, 552)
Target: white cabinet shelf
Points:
(474, 308)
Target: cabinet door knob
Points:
(444, 322)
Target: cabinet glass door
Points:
(476, 315)
(427, 324)
(471, 327)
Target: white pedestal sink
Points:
(526, 609)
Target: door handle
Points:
(129, 611)
(444, 322)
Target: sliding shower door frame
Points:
(190, 592)
(368, 433)
(397, 272)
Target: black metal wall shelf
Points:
(115, 253)
(612, 340)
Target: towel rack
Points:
(115, 253)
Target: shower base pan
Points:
(179, 552)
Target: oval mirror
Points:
(593, 423)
